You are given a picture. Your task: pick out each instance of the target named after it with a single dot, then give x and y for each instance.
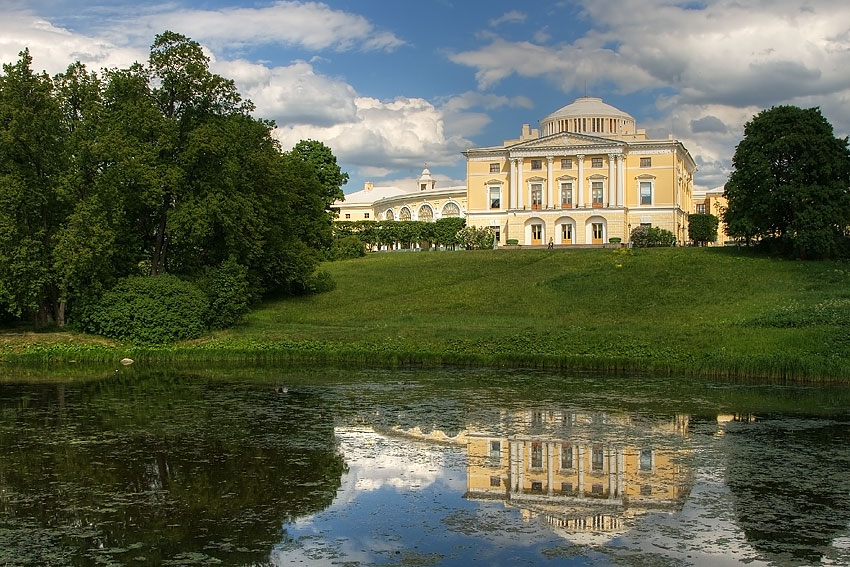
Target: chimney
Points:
(368, 186)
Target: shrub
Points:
(615, 240)
(320, 282)
(228, 292)
(649, 236)
(347, 247)
(148, 309)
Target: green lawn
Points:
(702, 310)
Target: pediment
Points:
(566, 139)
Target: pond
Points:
(328, 466)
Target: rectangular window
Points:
(537, 164)
(537, 486)
(597, 233)
(495, 197)
(567, 195)
(536, 196)
(597, 193)
(495, 449)
(597, 458)
(365, 215)
(566, 488)
(495, 481)
(645, 192)
(646, 162)
(596, 162)
(566, 456)
(348, 215)
(494, 168)
(498, 232)
(596, 490)
(646, 459)
(536, 232)
(700, 208)
(537, 455)
(566, 163)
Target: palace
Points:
(589, 179)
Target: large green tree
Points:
(791, 183)
(702, 228)
(156, 168)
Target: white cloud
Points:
(311, 25)
(512, 17)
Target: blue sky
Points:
(391, 86)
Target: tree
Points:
(702, 228)
(323, 161)
(791, 183)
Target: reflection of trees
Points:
(159, 469)
(790, 485)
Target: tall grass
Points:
(705, 311)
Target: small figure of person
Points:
(551, 243)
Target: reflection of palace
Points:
(582, 471)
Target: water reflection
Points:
(366, 468)
(585, 474)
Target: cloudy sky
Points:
(393, 85)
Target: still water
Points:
(322, 466)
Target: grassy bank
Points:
(706, 311)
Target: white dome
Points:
(590, 115)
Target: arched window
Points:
(426, 213)
(404, 214)
(389, 215)
(451, 210)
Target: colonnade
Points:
(517, 191)
(613, 465)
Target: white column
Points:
(509, 197)
(611, 183)
(581, 471)
(621, 469)
(521, 466)
(621, 182)
(580, 159)
(612, 467)
(550, 201)
(520, 188)
(550, 473)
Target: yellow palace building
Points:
(588, 178)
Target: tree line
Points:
(157, 168)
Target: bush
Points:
(228, 292)
(148, 309)
(320, 282)
(347, 247)
(649, 236)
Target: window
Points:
(537, 455)
(646, 192)
(495, 449)
(404, 214)
(566, 233)
(451, 210)
(495, 481)
(537, 164)
(537, 486)
(597, 193)
(596, 458)
(646, 459)
(495, 197)
(365, 215)
(426, 214)
(566, 456)
(536, 196)
(646, 162)
(596, 162)
(494, 168)
(596, 490)
(348, 215)
(700, 208)
(566, 195)
(566, 488)
(497, 232)
(566, 163)
(423, 186)
(389, 214)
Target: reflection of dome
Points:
(591, 115)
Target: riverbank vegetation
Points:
(712, 311)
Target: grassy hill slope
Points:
(712, 311)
